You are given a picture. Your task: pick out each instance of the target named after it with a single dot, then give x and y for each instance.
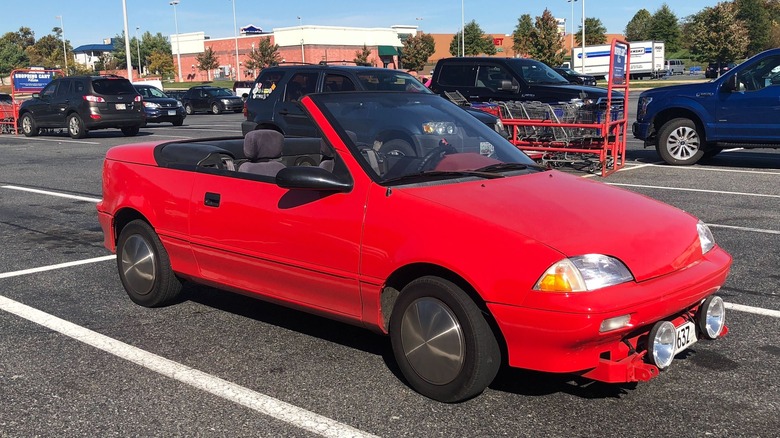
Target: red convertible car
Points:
(409, 217)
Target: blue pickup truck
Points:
(687, 123)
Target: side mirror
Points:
(36, 95)
(506, 85)
(311, 178)
(730, 84)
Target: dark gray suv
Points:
(84, 103)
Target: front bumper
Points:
(561, 334)
(158, 115)
(641, 130)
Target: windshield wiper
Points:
(442, 173)
(501, 167)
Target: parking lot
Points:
(78, 358)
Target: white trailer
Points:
(647, 59)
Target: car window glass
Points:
(334, 82)
(300, 85)
(266, 83)
(761, 74)
(490, 76)
(458, 75)
(79, 88)
(64, 88)
(219, 92)
(50, 89)
(112, 86)
(390, 80)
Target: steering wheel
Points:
(432, 158)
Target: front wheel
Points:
(29, 128)
(188, 109)
(442, 342)
(215, 109)
(680, 143)
(178, 122)
(144, 266)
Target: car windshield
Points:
(219, 92)
(111, 86)
(390, 80)
(409, 138)
(150, 92)
(568, 71)
(535, 72)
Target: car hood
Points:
(576, 216)
(164, 101)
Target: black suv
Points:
(208, 98)
(273, 101)
(84, 103)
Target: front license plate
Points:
(686, 336)
(171, 112)
(121, 106)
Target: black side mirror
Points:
(507, 85)
(311, 178)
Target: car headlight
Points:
(178, 104)
(641, 108)
(439, 128)
(583, 274)
(226, 101)
(151, 104)
(705, 237)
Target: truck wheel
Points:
(680, 143)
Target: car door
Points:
(289, 114)
(751, 113)
(41, 108)
(298, 246)
(62, 102)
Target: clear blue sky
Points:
(89, 21)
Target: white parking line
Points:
(256, 401)
(59, 266)
(46, 192)
(171, 136)
(755, 230)
(56, 140)
(722, 192)
(755, 310)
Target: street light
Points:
(138, 46)
(299, 20)
(176, 23)
(583, 37)
(462, 29)
(127, 43)
(572, 31)
(64, 48)
(235, 35)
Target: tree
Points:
(475, 42)
(47, 51)
(161, 63)
(715, 34)
(638, 29)
(595, 32)
(12, 51)
(755, 14)
(417, 49)
(361, 56)
(521, 37)
(546, 43)
(666, 27)
(119, 52)
(264, 55)
(207, 61)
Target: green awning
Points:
(387, 51)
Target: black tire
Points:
(76, 127)
(188, 109)
(28, 126)
(216, 109)
(397, 147)
(680, 143)
(178, 122)
(131, 131)
(144, 266)
(442, 342)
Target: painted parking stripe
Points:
(56, 140)
(50, 193)
(256, 401)
(683, 189)
(58, 266)
(734, 227)
(754, 310)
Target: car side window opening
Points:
(335, 82)
(760, 75)
(64, 88)
(266, 84)
(50, 89)
(458, 75)
(300, 85)
(490, 76)
(79, 88)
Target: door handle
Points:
(284, 112)
(211, 199)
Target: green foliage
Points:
(47, 52)
(638, 29)
(595, 32)
(666, 27)
(161, 63)
(12, 51)
(755, 14)
(521, 37)
(715, 34)
(207, 61)
(546, 44)
(263, 56)
(417, 49)
(475, 41)
(361, 56)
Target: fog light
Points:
(660, 345)
(615, 323)
(712, 317)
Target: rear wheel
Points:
(76, 127)
(29, 128)
(215, 109)
(130, 131)
(397, 147)
(680, 143)
(144, 266)
(442, 342)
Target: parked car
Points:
(466, 253)
(82, 104)
(176, 94)
(243, 88)
(273, 103)
(575, 77)
(674, 67)
(690, 122)
(159, 107)
(715, 69)
(205, 98)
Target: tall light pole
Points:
(138, 46)
(572, 31)
(64, 48)
(299, 21)
(235, 34)
(176, 23)
(127, 44)
(462, 29)
(583, 37)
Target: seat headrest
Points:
(263, 144)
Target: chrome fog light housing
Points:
(660, 344)
(712, 317)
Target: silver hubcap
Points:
(138, 264)
(215, 109)
(73, 126)
(26, 124)
(432, 340)
(683, 143)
